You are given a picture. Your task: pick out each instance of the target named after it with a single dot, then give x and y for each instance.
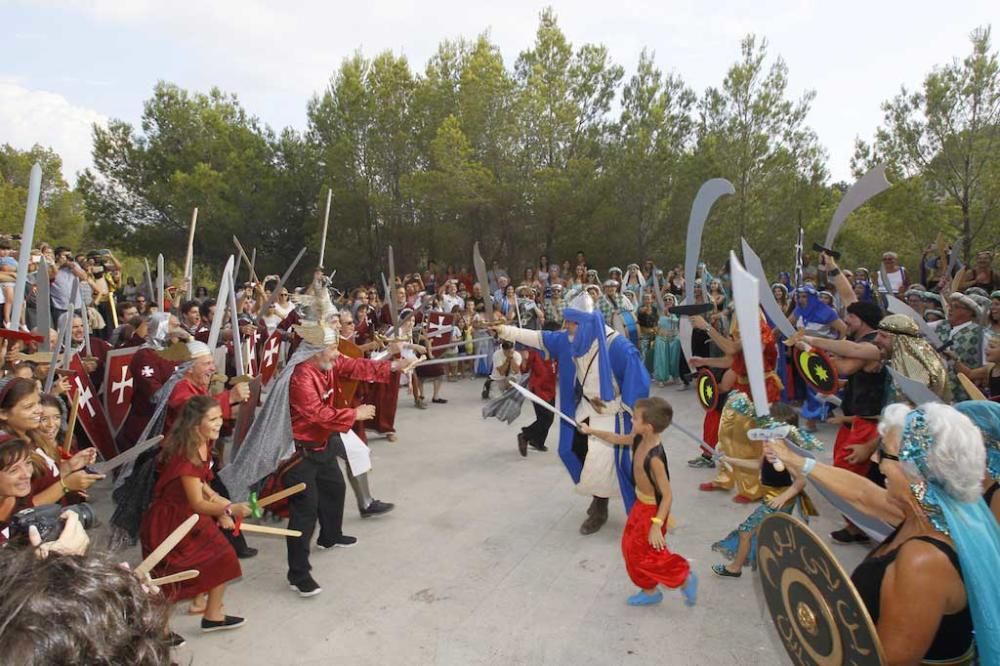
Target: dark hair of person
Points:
(551, 325)
(77, 610)
(12, 451)
(187, 306)
(784, 414)
(657, 412)
(183, 438)
(205, 306)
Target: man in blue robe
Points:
(601, 375)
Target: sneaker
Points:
(742, 499)
(536, 446)
(376, 508)
(176, 640)
(439, 401)
(228, 622)
(721, 570)
(246, 552)
(846, 536)
(306, 587)
(343, 541)
(702, 462)
(708, 487)
(690, 589)
(642, 599)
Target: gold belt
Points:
(644, 498)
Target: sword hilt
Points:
(255, 509)
(820, 248)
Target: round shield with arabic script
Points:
(817, 370)
(708, 389)
(815, 607)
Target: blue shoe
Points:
(690, 589)
(643, 599)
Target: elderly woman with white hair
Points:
(930, 586)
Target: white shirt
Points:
(449, 301)
(499, 358)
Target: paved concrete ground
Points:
(482, 563)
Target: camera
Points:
(46, 519)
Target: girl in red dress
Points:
(183, 488)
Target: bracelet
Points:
(228, 510)
(656, 520)
(808, 465)
(833, 272)
(65, 488)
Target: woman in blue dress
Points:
(667, 351)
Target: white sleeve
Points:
(524, 336)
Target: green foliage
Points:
(947, 136)
(60, 218)
(558, 151)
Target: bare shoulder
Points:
(919, 560)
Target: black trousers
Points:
(323, 498)
(539, 429)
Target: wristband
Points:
(656, 520)
(807, 466)
(833, 272)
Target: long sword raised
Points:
(27, 237)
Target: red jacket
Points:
(543, 375)
(312, 394)
(184, 391)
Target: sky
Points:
(65, 65)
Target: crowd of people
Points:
(277, 386)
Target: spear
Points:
(326, 224)
(189, 260)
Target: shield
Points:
(92, 417)
(118, 386)
(817, 370)
(708, 389)
(270, 357)
(814, 606)
(439, 328)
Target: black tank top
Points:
(772, 477)
(954, 634)
(655, 452)
(865, 392)
(994, 385)
(990, 492)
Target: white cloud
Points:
(30, 116)
(275, 54)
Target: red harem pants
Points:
(710, 427)
(858, 431)
(645, 566)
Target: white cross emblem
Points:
(271, 350)
(438, 328)
(147, 371)
(120, 387)
(84, 395)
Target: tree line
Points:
(559, 151)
